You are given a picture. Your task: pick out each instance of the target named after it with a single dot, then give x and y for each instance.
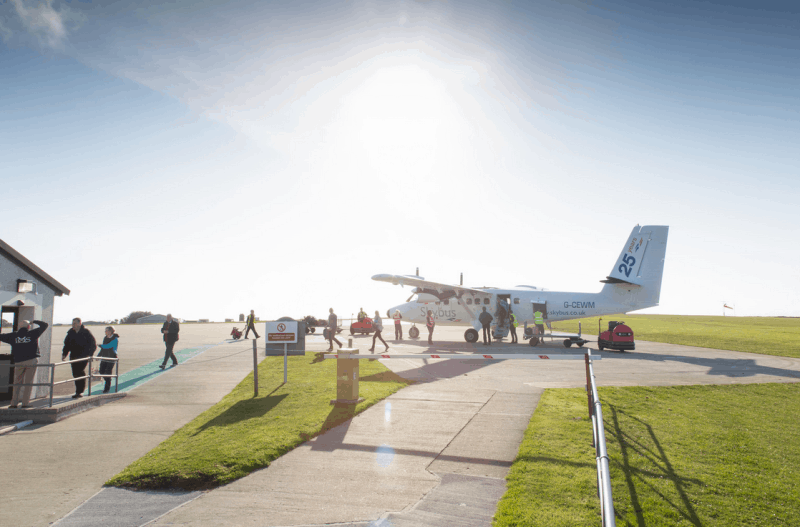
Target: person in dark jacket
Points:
(251, 325)
(25, 353)
(108, 349)
(78, 344)
(170, 329)
(333, 325)
(430, 322)
(486, 321)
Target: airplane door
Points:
(540, 306)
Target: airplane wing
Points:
(437, 289)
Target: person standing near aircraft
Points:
(78, 344)
(398, 328)
(377, 323)
(514, 324)
(538, 319)
(333, 323)
(361, 314)
(430, 322)
(25, 352)
(251, 324)
(486, 321)
(170, 329)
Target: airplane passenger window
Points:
(486, 301)
(447, 302)
(469, 301)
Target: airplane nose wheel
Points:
(413, 332)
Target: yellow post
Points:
(347, 378)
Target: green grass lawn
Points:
(679, 456)
(765, 335)
(241, 433)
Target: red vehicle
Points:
(618, 337)
(362, 326)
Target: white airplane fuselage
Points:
(558, 305)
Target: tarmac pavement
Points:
(434, 453)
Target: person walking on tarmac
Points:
(538, 319)
(430, 321)
(251, 324)
(514, 324)
(377, 323)
(171, 330)
(398, 329)
(486, 321)
(333, 323)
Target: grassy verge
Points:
(679, 456)
(241, 433)
(765, 335)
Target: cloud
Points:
(47, 22)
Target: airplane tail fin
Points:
(635, 280)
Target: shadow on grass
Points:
(628, 444)
(244, 410)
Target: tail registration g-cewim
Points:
(634, 283)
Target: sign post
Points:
(285, 332)
(255, 370)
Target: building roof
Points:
(10, 253)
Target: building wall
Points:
(43, 300)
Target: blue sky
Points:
(207, 158)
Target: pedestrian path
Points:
(131, 379)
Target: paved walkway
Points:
(434, 453)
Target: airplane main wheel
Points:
(413, 332)
(534, 341)
(308, 330)
(313, 330)
(567, 343)
(580, 344)
(471, 336)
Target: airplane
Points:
(634, 283)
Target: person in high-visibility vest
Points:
(251, 324)
(538, 319)
(514, 325)
(430, 322)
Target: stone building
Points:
(27, 293)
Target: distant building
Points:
(152, 319)
(27, 293)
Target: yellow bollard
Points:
(347, 378)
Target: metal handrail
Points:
(53, 365)
(599, 442)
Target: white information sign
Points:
(282, 332)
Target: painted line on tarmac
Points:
(134, 378)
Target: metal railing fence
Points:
(599, 443)
(52, 366)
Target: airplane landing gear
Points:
(413, 332)
(471, 336)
